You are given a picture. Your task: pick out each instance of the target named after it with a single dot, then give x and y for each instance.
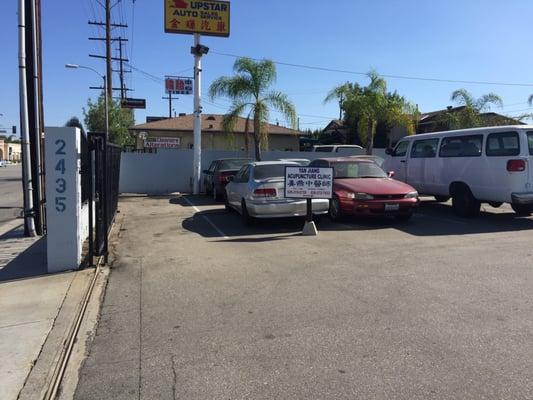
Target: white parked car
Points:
(340, 149)
(258, 191)
(472, 166)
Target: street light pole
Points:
(106, 104)
(197, 148)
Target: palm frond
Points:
(486, 100)
(281, 102)
(236, 87)
(463, 97)
(231, 117)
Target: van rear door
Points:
(530, 160)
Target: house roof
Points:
(210, 123)
(487, 116)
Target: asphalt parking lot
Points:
(200, 306)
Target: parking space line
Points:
(216, 228)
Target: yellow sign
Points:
(196, 16)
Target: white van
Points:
(472, 166)
(340, 149)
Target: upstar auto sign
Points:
(205, 17)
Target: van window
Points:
(530, 142)
(424, 148)
(324, 149)
(503, 144)
(401, 149)
(461, 146)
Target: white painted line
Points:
(216, 228)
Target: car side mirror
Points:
(205, 171)
(391, 174)
(230, 178)
(389, 151)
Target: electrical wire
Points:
(406, 77)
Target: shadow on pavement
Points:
(28, 264)
(431, 219)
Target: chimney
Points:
(449, 108)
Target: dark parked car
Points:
(218, 174)
(361, 187)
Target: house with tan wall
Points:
(178, 133)
(10, 150)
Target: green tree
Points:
(470, 115)
(249, 90)
(341, 93)
(119, 120)
(365, 107)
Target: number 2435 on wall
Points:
(60, 183)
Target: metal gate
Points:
(101, 180)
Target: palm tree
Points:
(341, 93)
(249, 89)
(470, 115)
(365, 107)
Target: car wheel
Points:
(404, 217)
(335, 209)
(522, 210)
(246, 218)
(442, 199)
(464, 203)
(495, 204)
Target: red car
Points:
(362, 188)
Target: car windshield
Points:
(358, 170)
(233, 164)
(270, 171)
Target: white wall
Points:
(169, 171)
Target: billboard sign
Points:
(195, 16)
(179, 85)
(308, 182)
(162, 142)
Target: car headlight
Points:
(411, 195)
(360, 196)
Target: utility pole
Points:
(109, 66)
(169, 98)
(197, 122)
(29, 222)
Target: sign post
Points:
(197, 17)
(308, 183)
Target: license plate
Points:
(392, 207)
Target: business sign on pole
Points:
(162, 143)
(308, 182)
(179, 85)
(194, 16)
(133, 103)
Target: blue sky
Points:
(485, 40)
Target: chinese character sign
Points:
(308, 182)
(192, 16)
(178, 85)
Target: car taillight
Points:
(223, 178)
(265, 192)
(516, 165)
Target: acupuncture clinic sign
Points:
(308, 182)
(191, 16)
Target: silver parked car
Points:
(258, 191)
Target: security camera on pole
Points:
(197, 17)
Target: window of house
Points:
(424, 148)
(461, 146)
(503, 144)
(401, 149)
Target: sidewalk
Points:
(31, 305)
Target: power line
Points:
(406, 77)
